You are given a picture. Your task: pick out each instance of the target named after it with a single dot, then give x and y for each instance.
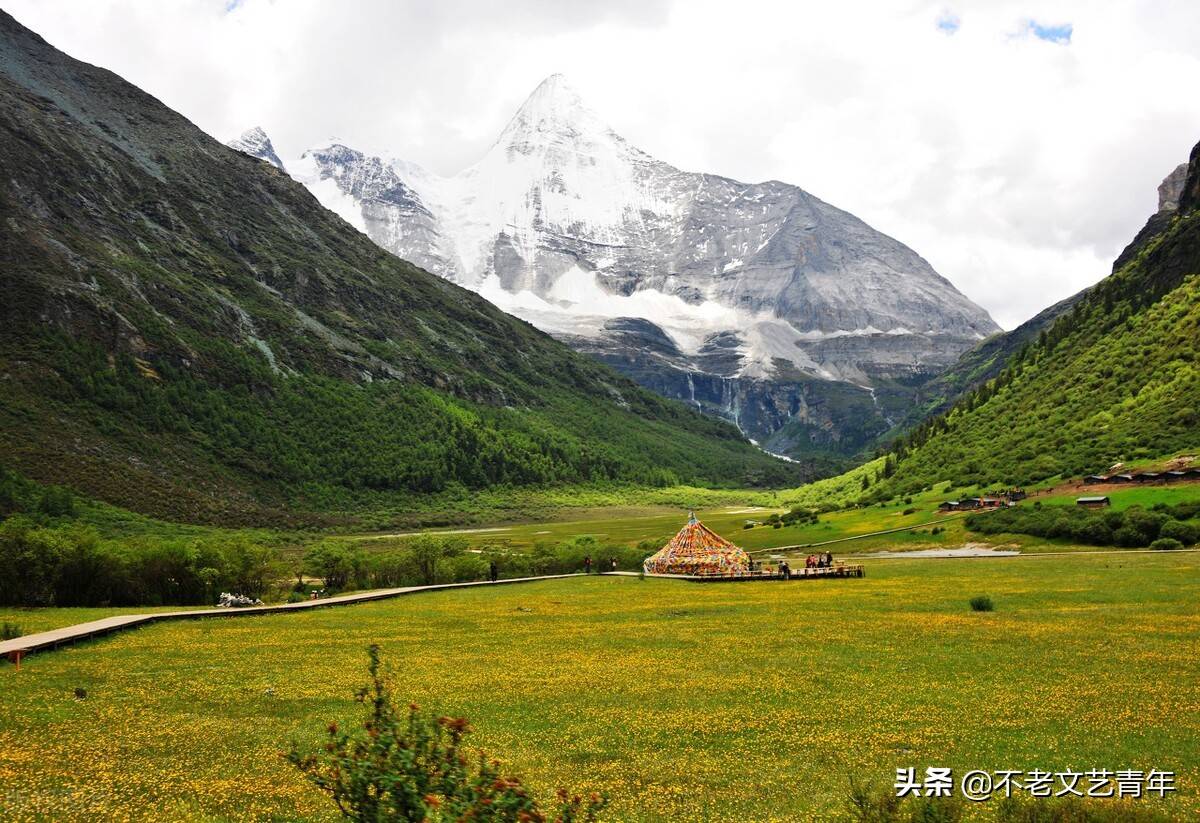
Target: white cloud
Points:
(1019, 166)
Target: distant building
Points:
(1174, 475)
(1092, 479)
(1093, 502)
(949, 506)
(1147, 477)
(1124, 477)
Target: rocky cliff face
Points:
(1170, 189)
(760, 289)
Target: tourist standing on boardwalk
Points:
(612, 564)
(829, 560)
(493, 571)
(587, 564)
(785, 570)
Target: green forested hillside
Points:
(186, 332)
(976, 366)
(1115, 378)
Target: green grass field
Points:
(682, 701)
(632, 525)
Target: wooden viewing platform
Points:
(835, 571)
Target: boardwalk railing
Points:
(836, 570)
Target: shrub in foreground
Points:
(405, 766)
(982, 603)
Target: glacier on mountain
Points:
(717, 292)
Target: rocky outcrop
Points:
(1170, 189)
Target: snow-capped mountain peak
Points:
(554, 114)
(255, 143)
(676, 277)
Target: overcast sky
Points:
(1015, 145)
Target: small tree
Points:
(427, 553)
(404, 766)
(56, 501)
(250, 566)
(333, 561)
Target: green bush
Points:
(1166, 544)
(9, 631)
(56, 501)
(406, 766)
(1185, 533)
(982, 603)
(1132, 528)
(1129, 537)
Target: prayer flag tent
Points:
(697, 549)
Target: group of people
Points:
(819, 561)
(813, 561)
(605, 565)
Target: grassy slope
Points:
(1116, 379)
(188, 333)
(682, 701)
(976, 367)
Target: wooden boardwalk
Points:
(841, 570)
(48, 640)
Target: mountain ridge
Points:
(189, 333)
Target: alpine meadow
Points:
(480, 465)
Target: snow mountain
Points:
(255, 143)
(755, 301)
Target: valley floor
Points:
(681, 701)
(916, 516)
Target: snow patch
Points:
(328, 193)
